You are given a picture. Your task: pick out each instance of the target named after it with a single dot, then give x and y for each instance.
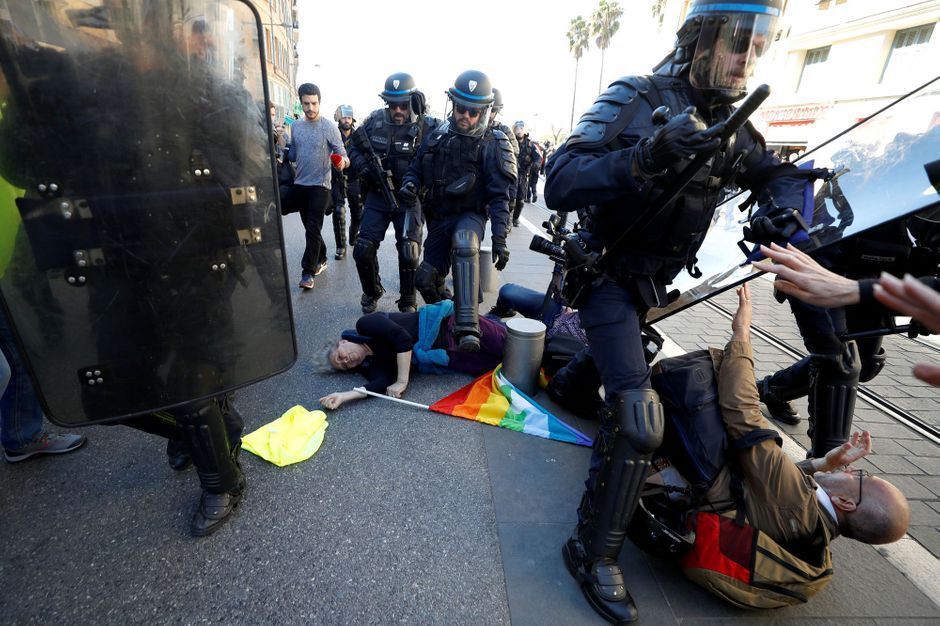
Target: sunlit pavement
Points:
(402, 516)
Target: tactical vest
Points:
(396, 144)
(622, 115)
(450, 157)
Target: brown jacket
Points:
(779, 495)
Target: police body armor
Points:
(395, 144)
(622, 115)
(452, 170)
(148, 210)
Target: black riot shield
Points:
(141, 255)
(881, 169)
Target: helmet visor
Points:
(728, 49)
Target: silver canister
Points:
(488, 272)
(525, 343)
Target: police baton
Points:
(722, 130)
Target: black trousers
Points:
(313, 202)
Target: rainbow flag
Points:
(493, 400)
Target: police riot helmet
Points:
(472, 90)
(658, 529)
(344, 110)
(729, 39)
(398, 88)
(497, 100)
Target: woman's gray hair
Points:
(321, 361)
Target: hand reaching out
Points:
(741, 322)
(858, 447)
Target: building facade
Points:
(281, 33)
(835, 62)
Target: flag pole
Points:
(384, 397)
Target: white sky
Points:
(520, 44)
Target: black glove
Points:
(778, 229)
(408, 194)
(500, 253)
(682, 136)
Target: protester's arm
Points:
(338, 398)
(403, 365)
(858, 447)
(799, 275)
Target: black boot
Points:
(367, 266)
(620, 460)
(207, 433)
(177, 455)
(601, 581)
(779, 409)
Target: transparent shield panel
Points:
(879, 176)
(141, 254)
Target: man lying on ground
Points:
(816, 499)
(384, 346)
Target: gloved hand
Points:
(778, 228)
(408, 194)
(681, 137)
(336, 159)
(500, 253)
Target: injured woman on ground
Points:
(384, 346)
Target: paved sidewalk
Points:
(403, 516)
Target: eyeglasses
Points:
(401, 106)
(467, 111)
(861, 473)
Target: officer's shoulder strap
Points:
(437, 134)
(375, 120)
(613, 110)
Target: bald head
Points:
(882, 516)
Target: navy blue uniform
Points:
(396, 145)
(596, 167)
(463, 180)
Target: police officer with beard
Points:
(345, 188)
(464, 171)
(618, 160)
(394, 133)
(527, 157)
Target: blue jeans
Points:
(20, 413)
(527, 302)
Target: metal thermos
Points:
(522, 359)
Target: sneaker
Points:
(306, 281)
(46, 444)
(515, 222)
(340, 254)
(320, 269)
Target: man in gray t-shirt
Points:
(315, 146)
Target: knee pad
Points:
(409, 253)
(364, 251)
(873, 366)
(465, 243)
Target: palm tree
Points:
(579, 38)
(604, 24)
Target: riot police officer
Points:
(618, 160)
(135, 239)
(497, 124)
(393, 135)
(528, 157)
(907, 245)
(345, 188)
(463, 171)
